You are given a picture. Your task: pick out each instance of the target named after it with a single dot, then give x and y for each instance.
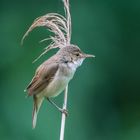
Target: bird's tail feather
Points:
(36, 107)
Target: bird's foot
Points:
(65, 111)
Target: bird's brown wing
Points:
(43, 76)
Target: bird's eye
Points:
(77, 54)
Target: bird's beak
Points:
(88, 55)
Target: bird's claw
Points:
(65, 111)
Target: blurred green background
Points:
(104, 96)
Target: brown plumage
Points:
(42, 78)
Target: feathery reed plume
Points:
(57, 24)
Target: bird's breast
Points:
(59, 82)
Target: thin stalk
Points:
(63, 119)
(68, 36)
(68, 17)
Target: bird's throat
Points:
(75, 64)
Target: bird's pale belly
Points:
(57, 85)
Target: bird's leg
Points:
(60, 109)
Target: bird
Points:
(53, 75)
